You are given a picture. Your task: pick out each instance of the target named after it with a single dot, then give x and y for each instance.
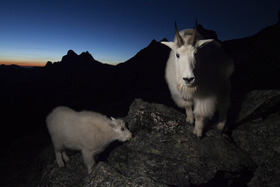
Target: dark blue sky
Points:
(114, 31)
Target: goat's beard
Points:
(186, 91)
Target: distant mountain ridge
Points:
(86, 58)
(72, 60)
(256, 62)
(253, 65)
(257, 58)
(147, 52)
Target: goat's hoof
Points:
(90, 170)
(66, 159)
(198, 133)
(60, 164)
(190, 120)
(221, 126)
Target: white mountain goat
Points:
(197, 73)
(86, 131)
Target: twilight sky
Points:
(33, 32)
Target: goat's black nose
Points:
(188, 79)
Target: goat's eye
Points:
(122, 129)
(177, 55)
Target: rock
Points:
(164, 149)
(261, 140)
(162, 152)
(73, 174)
(106, 175)
(259, 104)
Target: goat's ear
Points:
(171, 45)
(201, 43)
(111, 123)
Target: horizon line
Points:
(37, 64)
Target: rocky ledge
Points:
(164, 152)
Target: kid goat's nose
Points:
(188, 80)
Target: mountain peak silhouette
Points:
(73, 59)
(70, 57)
(71, 53)
(207, 33)
(155, 53)
(86, 57)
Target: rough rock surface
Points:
(259, 104)
(262, 141)
(259, 137)
(162, 152)
(165, 150)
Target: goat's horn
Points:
(180, 40)
(192, 39)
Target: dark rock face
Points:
(162, 152)
(259, 136)
(261, 140)
(259, 104)
(165, 150)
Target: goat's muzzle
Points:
(189, 80)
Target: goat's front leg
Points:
(222, 120)
(59, 159)
(88, 159)
(223, 110)
(199, 124)
(65, 157)
(189, 113)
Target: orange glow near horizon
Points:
(22, 63)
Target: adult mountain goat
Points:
(89, 132)
(197, 73)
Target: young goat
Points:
(197, 74)
(87, 131)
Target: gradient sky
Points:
(113, 31)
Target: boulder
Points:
(259, 104)
(258, 134)
(162, 152)
(261, 140)
(165, 150)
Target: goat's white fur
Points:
(89, 132)
(211, 68)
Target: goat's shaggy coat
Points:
(197, 74)
(87, 131)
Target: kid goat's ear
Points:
(111, 123)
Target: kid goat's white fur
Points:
(197, 74)
(87, 131)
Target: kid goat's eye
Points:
(177, 55)
(122, 128)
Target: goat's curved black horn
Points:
(192, 39)
(180, 40)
